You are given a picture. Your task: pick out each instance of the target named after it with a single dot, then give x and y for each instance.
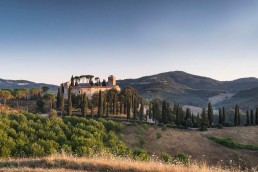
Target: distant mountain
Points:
(186, 89)
(13, 84)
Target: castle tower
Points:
(111, 80)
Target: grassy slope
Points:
(196, 144)
(66, 163)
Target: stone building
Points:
(83, 86)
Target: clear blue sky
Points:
(50, 40)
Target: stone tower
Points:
(111, 80)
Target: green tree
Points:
(252, 117)
(92, 111)
(84, 106)
(100, 106)
(236, 115)
(223, 116)
(45, 89)
(204, 120)
(247, 118)
(141, 111)
(58, 99)
(6, 95)
(165, 112)
(19, 94)
(134, 110)
(62, 103)
(70, 104)
(35, 92)
(210, 114)
(220, 116)
(49, 99)
(128, 109)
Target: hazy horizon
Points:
(48, 41)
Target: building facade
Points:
(84, 87)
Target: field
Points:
(63, 163)
(196, 144)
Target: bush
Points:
(203, 128)
(182, 158)
(140, 155)
(166, 157)
(27, 134)
(229, 142)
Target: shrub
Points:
(166, 157)
(203, 128)
(229, 142)
(140, 155)
(182, 158)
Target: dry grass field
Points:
(63, 163)
(196, 144)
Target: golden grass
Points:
(62, 163)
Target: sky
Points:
(51, 40)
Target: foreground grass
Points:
(68, 163)
(229, 142)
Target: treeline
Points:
(128, 102)
(40, 95)
(108, 102)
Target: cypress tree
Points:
(150, 110)
(256, 116)
(121, 108)
(58, 99)
(193, 121)
(220, 116)
(223, 116)
(114, 105)
(165, 112)
(104, 106)
(84, 105)
(178, 122)
(72, 81)
(117, 109)
(188, 114)
(128, 110)
(252, 118)
(125, 108)
(92, 111)
(134, 110)
(238, 120)
(62, 103)
(247, 118)
(210, 114)
(100, 107)
(204, 120)
(107, 113)
(141, 111)
(70, 105)
(236, 115)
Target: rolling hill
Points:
(15, 84)
(187, 89)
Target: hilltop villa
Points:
(84, 84)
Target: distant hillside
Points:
(245, 99)
(13, 84)
(184, 88)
